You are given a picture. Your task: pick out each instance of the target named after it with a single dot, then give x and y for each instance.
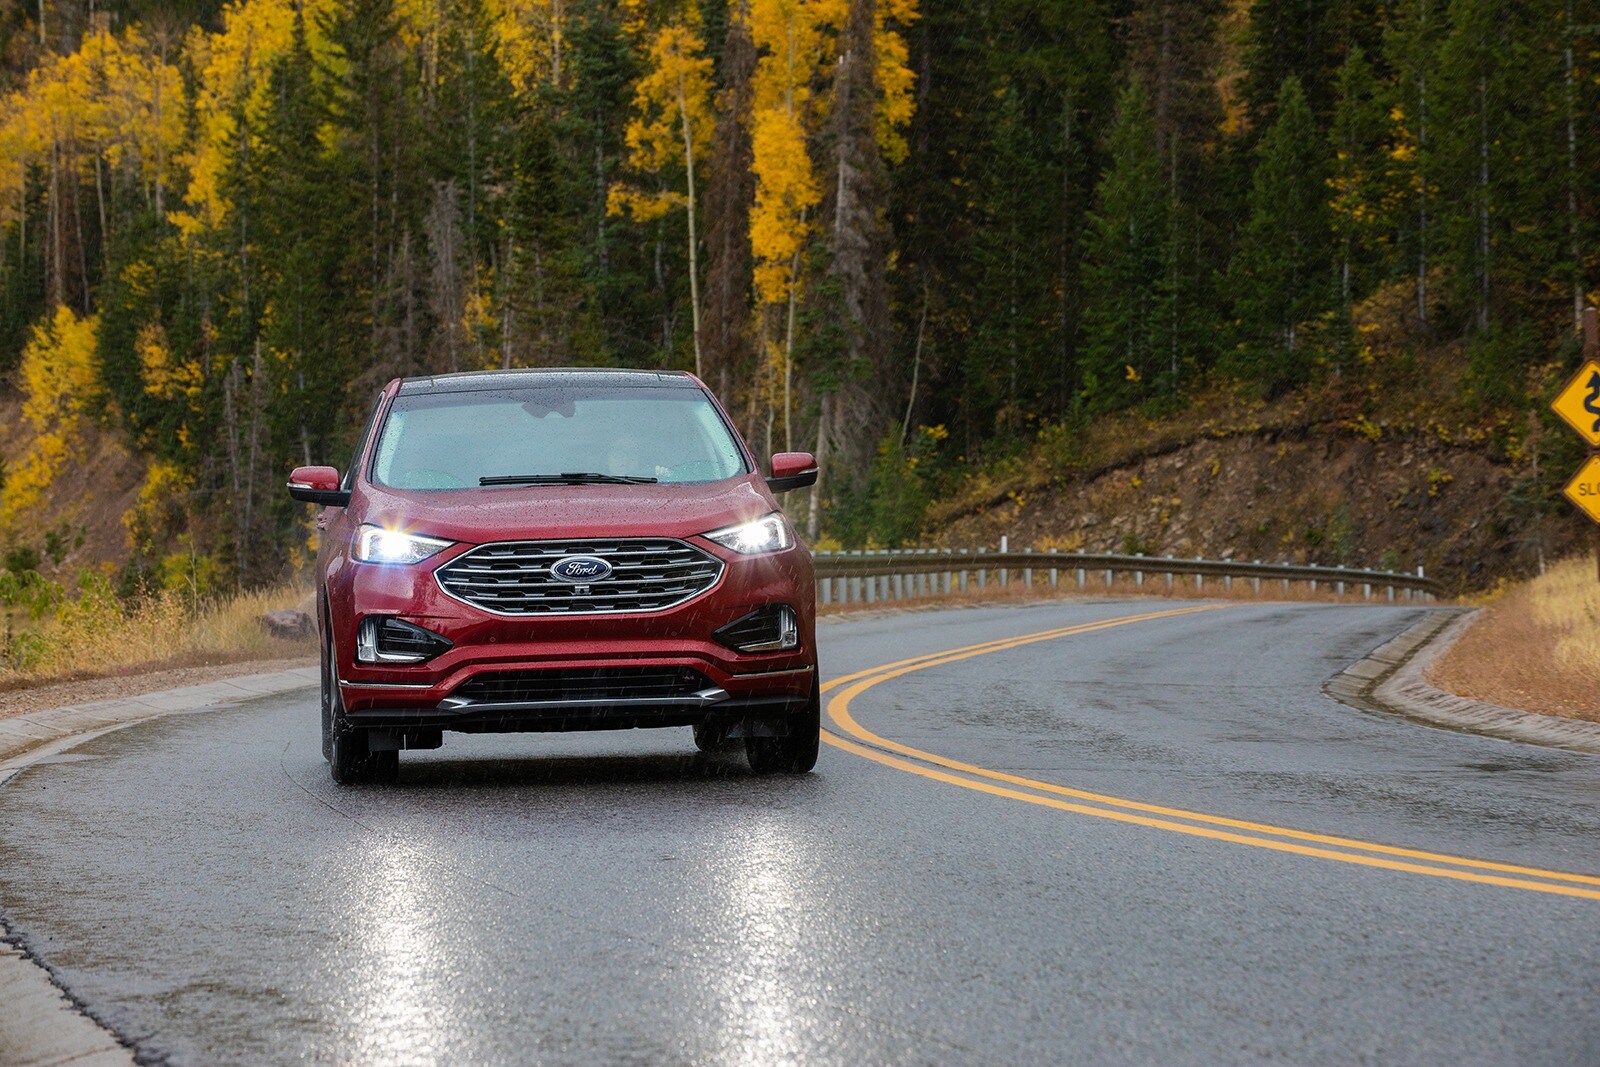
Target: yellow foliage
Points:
(672, 117)
(59, 377)
(532, 36)
(164, 483)
(672, 102)
(166, 377)
(786, 189)
(894, 76)
(117, 97)
(625, 199)
(795, 38)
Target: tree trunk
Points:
(730, 191)
(1575, 250)
(857, 246)
(814, 505)
(694, 244)
(1484, 285)
(1422, 178)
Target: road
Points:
(1140, 835)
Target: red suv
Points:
(560, 550)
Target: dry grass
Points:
(96, 636)
(1537, 646)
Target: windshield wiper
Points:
(566, 478)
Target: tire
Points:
(344, 746)
(796, 753)
(330, 691)
(353, 763)
(710, 737)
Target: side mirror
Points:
(318, 485)
(792, 470)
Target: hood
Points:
(551, 512)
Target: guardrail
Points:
(908, 574)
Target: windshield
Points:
(456, 440)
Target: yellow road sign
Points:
(1579, 402)
(1584, 489)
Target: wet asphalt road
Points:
(201, 885)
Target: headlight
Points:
(770, 533)
(374, 544)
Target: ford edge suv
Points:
(560, 550)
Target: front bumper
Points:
(760, 714)
(742, 686)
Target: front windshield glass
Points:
(453, 440)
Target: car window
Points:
(451, 440)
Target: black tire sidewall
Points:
(796, 753)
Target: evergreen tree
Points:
(1279, 276)
(730, 190)
(1411, 48)
(1308, 40)
(1361, 185)
(1126, 265)
(1172, 53)
(1500, 156)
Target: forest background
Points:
(935, 242)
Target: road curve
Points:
(1087, 831)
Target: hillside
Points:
(79, 525)
(1393, 464)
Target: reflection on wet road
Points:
(618, 898)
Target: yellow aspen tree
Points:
(139, 124)
(895, 79)
(60, 379)
(672, 119)
(532, 40)
(794, 38)
(117, 96)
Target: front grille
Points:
(597, 683)
(513, 578)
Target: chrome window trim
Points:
(722, 571)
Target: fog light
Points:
(384, 639)
(774, 628)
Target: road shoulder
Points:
(1393, 680)
(41, 1025)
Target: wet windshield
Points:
(459, 440)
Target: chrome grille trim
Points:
(513, 579)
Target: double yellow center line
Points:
(1176, 820)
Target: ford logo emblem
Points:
(580, 570)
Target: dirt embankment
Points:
(1399, 502)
